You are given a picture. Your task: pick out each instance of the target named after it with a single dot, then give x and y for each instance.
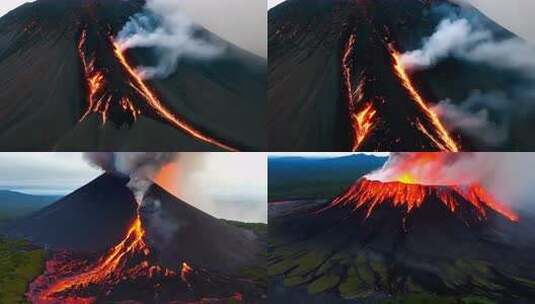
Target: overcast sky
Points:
(517, 15)
(225, 185)
(243, 22)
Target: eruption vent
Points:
(410, 180)
(368, 195)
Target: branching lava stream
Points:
(115, 87)
(128, 260)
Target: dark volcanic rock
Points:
(43, 92)
(338, 251)
(92, 218)
(309, 108)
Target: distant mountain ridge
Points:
(15, 204)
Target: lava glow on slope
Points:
(361, 114)
(368, 195)
(407, 183)
(101, 96)
(65, 279)
(439, 135)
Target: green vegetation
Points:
(15, 205)
(323, 283)
(259, 228)
(309, 178)
(19, 264)
(435, 299)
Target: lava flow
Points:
(410, 180)
(368, 195)
(361, 114)
(115, 88)
(439, 135)
(66, 279)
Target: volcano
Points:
(470, 202)
(104, 247)
(61, 67)
(337, 83)
(380, 241)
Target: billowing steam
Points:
(508, 176)
(485, 117)
(474, 116)
(141, 167)
(460, 39)
(163, 27)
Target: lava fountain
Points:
(415, 179)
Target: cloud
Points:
(163, 27)
(44, 173)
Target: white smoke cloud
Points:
(473, 116)
(484, 116)
(165, 28)
(508, 176)
(458, 38)
(452, 37)
(141, 167)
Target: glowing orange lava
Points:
(439, 135)
(361, 116)
(156, 105)
(100, 96)
(109, 270)
(368, 195)
(362, 124)
(185, 272)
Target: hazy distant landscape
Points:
(316, 178)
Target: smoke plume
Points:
(458, 38)
(141, 167)
(485, 117)
(508, 176)
(163, 27)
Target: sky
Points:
(243, 22)
(225, 185)
(516, 15)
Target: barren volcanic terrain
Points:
(103, 247)
(406, 233)
(337, 82)
(67, 85)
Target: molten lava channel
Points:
(128, 260)
(368, 195)
(100, 97)
(361, 114)
(439, 135)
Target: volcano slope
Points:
(335, 82)
(370, 246)
(60, 68)
(103, 248)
